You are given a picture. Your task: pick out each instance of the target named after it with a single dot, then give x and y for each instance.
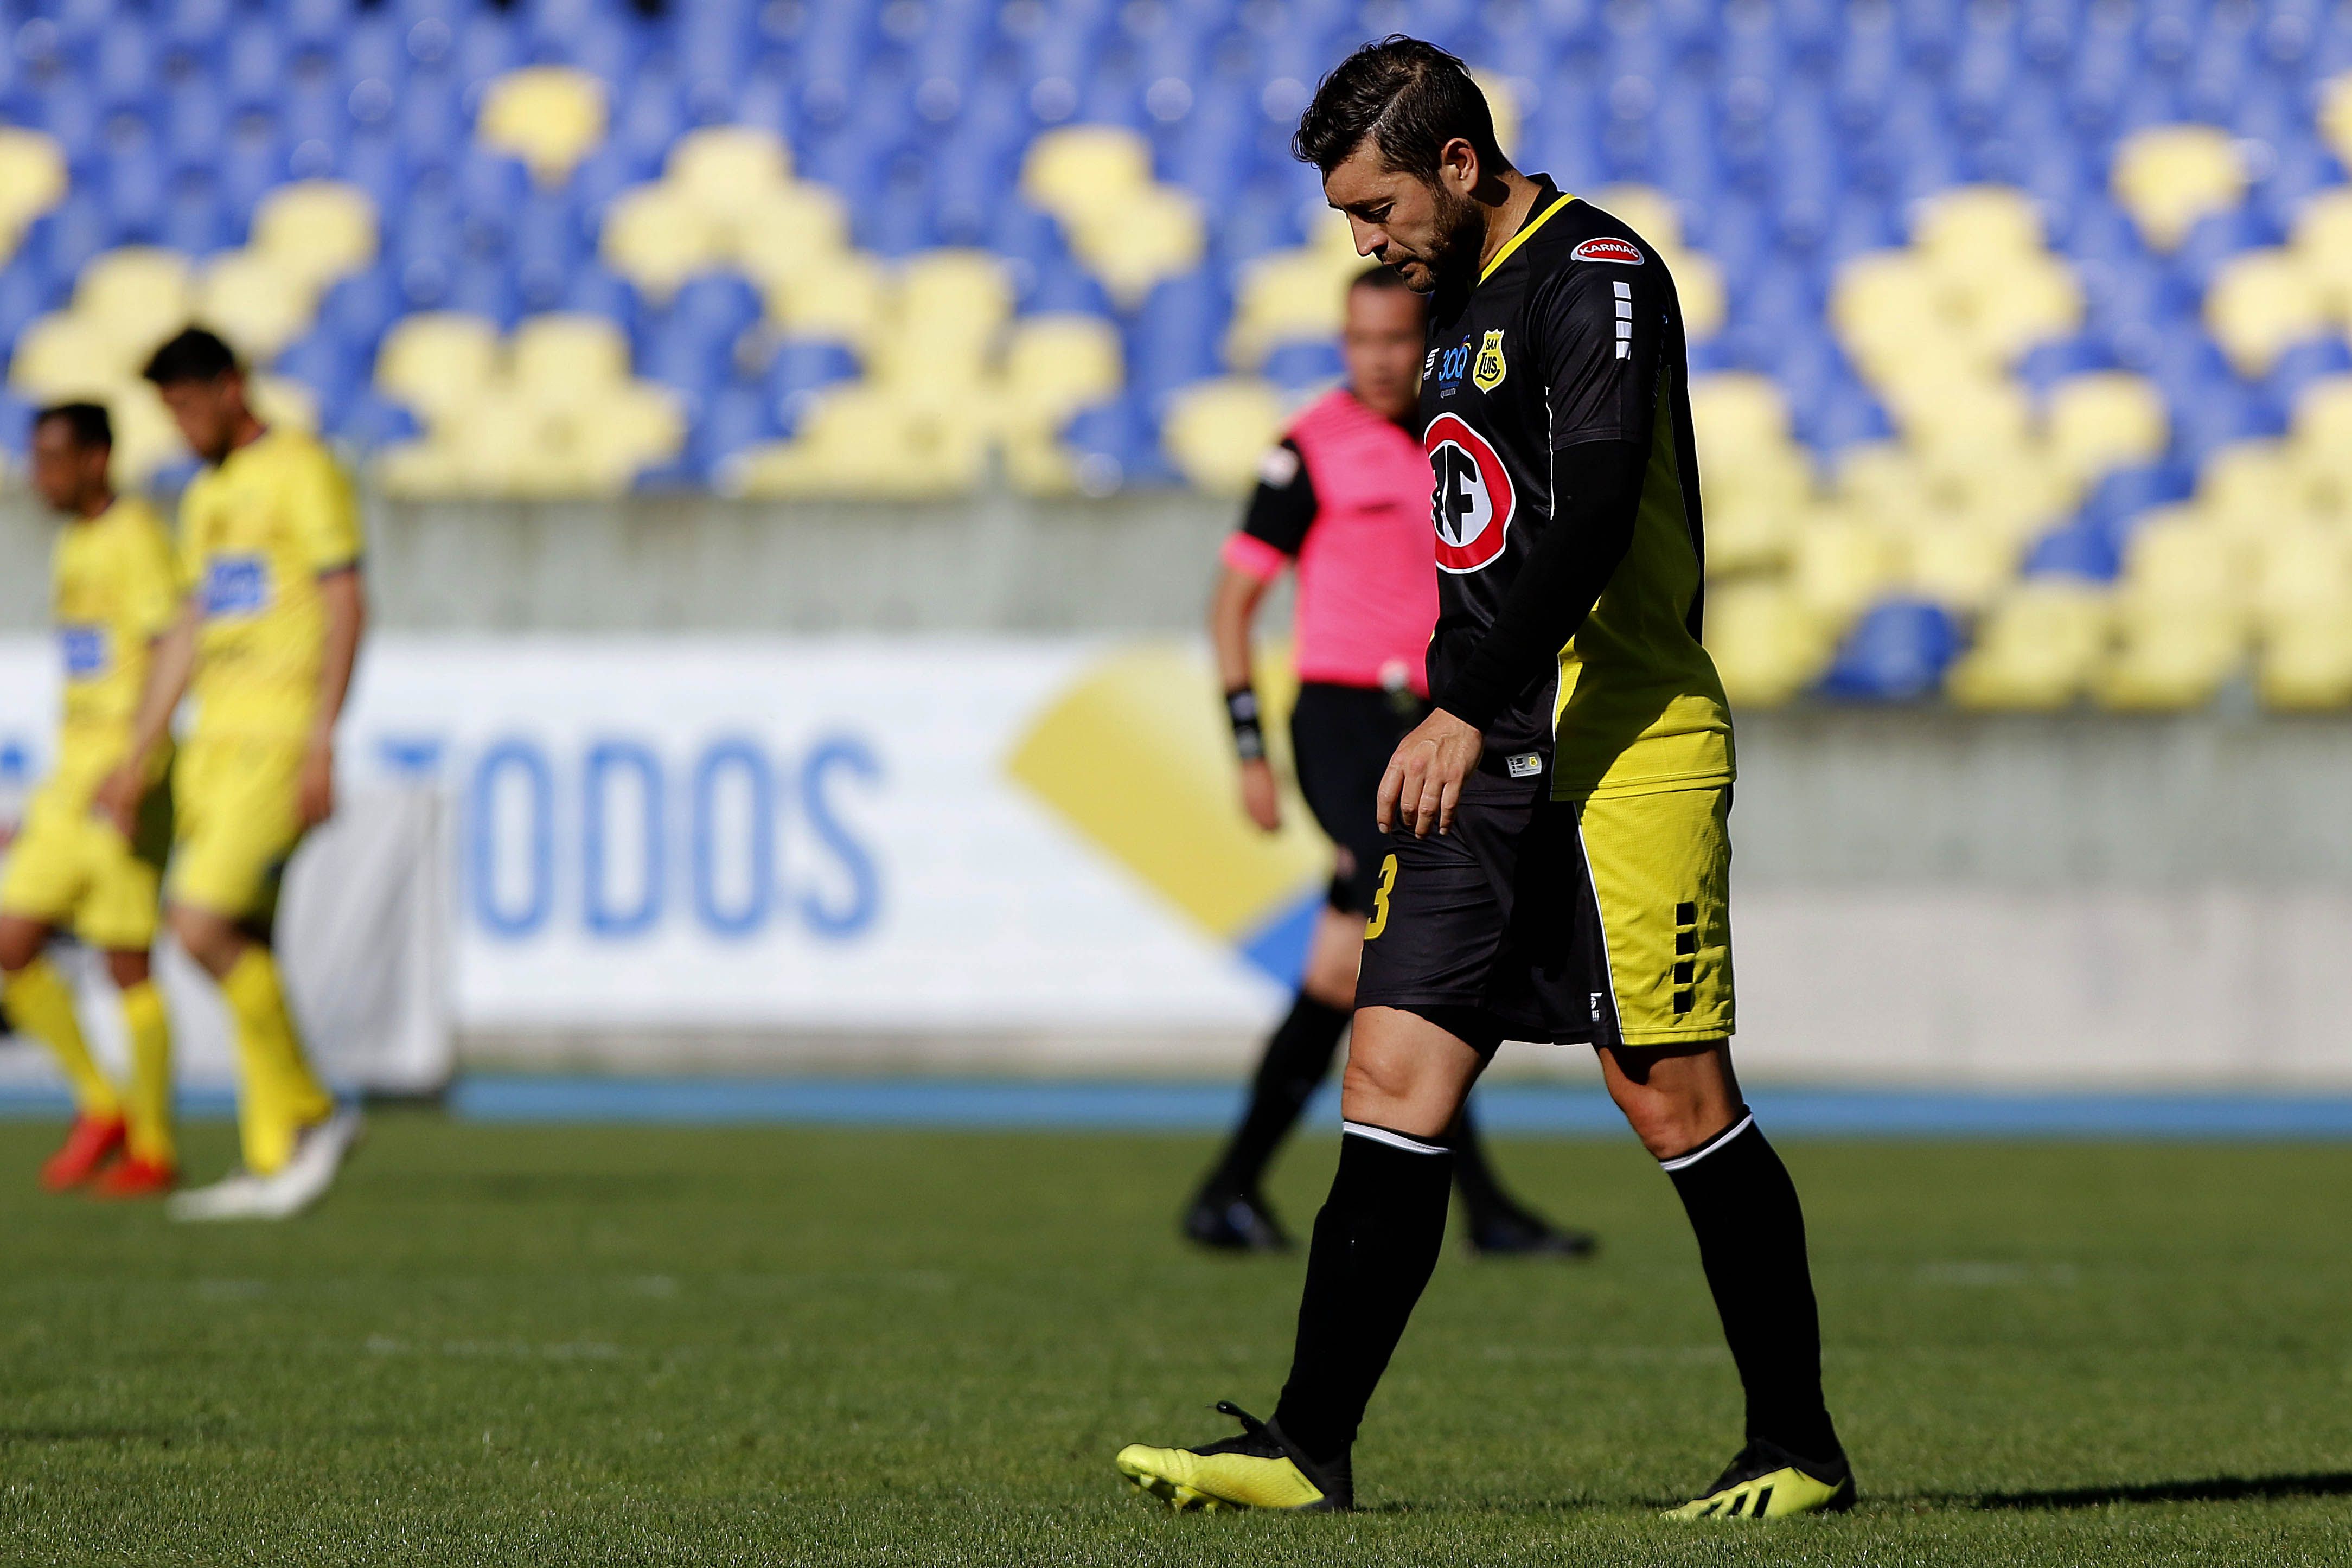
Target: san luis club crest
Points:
(1471, 500)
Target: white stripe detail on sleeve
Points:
(1683, 1162)
(1394, 1140)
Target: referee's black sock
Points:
(1375, 1243)
(1296, 1061)
(1751, 1241)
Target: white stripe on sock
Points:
(1682, 1162)
(1410, 1145)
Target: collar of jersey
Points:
(1526, 230)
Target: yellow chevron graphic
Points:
(1136, 756)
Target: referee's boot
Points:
(1506, 1230)
(1768, 1482)
(1260, 1468)
(1233, 1220)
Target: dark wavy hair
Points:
(1409, 98)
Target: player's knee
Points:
(206, 938)
(1667, 1122)
(20, 944)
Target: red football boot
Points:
(131, 1176)
(89, 1143)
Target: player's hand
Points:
(1260, 795)
(117, 796)
(1423, 781)
(317, 787)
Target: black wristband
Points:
(1249, 740)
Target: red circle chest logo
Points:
(1471, 501)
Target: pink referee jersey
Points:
(1368, 557)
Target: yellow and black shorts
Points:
(1603, 922)
(73, 870)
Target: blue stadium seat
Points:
(803, 367)
(1897, 651)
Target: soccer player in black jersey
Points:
(1557, 852)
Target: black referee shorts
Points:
(1341, 739)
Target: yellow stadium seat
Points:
(2177, 659)
(562, 361)
(2248, 486)
(2335, 116)
(1217, 431)
(961, 295)
(657, 236)
(1767, 645)
(2103, 420)
(2182, 565)
(2035, 650)
(1839, 563)
(779, 231)
(2323, 241)
(32, 181)
(145, 439)
(2169, 176)
(1969, 223)
(139, 296)
(1958, 566)
(1737, 412)
(252, 301)
(2005, 309)
(1287, 297)
(2301, 569)
(1079, 167)
(840, 298)
(68, 355)
(1155, 232)
(864, 442)
(315, 230)
(1882, 305)
(280, 400)
(634, 426)
(2261, 303)
(1970, 421)
(439, 362)
(2306, 659)
(551, 117)
(1749, 535)
(1056, 364)
(2322, 428)
(424, 470)
(720, 167)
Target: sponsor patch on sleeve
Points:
(1279, 467)
(1609, 248)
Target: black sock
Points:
(1482, 1196)
(1296, 1061)
(1751, 1241)
(1375, 1243)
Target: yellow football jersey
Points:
(115, 589)
(256, 535)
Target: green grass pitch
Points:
(599, 1345)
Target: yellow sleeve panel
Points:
(256, 535)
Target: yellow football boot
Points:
(1766, 1481)
(1259, 1469)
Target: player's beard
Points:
(1459, 230)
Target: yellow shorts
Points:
(238, 816)
(1660, 869)
(74, 871)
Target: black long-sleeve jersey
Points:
(1557, 421)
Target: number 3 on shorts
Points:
(1380, 920)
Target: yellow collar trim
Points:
(1521, 237)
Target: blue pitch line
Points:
(974, 1104)
(926, 1102)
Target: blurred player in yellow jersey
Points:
(269, 547)
(115, 591)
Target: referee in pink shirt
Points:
(1345, 500)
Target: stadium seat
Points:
(2306, 659)
(1055, 365)
(2035, 649)
(316, 231)
(2261, 302)
(2101, 420)
(1295, 293)
(139, 296)
(2174, 660)
(251, 298)
(1840, 563)
(1217, 431)
(439, 364)
(564, 360)
(32, 181)
(2169, 176)
(551, 117)
(1766, 645)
